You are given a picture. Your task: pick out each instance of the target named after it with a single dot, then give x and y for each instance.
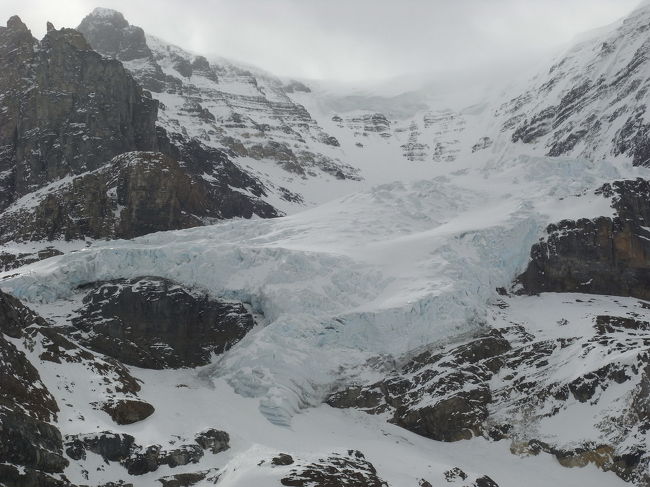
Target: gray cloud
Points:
(348, 39)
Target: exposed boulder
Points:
(282, 460)
(127, 411)
(189, 478)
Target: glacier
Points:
(383, 271)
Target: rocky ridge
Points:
(246, 112)
(506, 382)
(82, 157)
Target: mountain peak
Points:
(106, 13)
(106, 16)
(14, 23)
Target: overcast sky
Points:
(347, 40)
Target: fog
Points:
(349, 40)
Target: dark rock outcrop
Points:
(457, 474)
(136, 194)
(127, 411)
(626, 466)
(189, 478)
(66, 109)
(446, 395)
(600, 256)
(156, 323)
(154, 457)
(214, 440)
(12, 476)
(112, 447)
(282, 460)
(488, 384)
(27, 438)
(351, 470)
(118, 39)
(139, 460)
(109, 33)
(72, 120)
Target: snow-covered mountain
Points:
(458, 295)
(243, 110)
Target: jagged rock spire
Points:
(14, 23)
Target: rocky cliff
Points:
(66, 109)
(601, 256)
(68, 112)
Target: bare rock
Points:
(127, 411)
(155, 323)
(214, 440)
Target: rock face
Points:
(600, 256)
(214, 440)
(352, 470)
(71, 121)
(507, 382)
(119, 40)
(127, 411)
(155, 323)
(445, 396)
(112, 447)
(247, 113)
(135, 194)
(66, 110)
(10, 260)
(31, 445)
(139, 460)
(592, 102)
(27, 437)
(365, 124)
